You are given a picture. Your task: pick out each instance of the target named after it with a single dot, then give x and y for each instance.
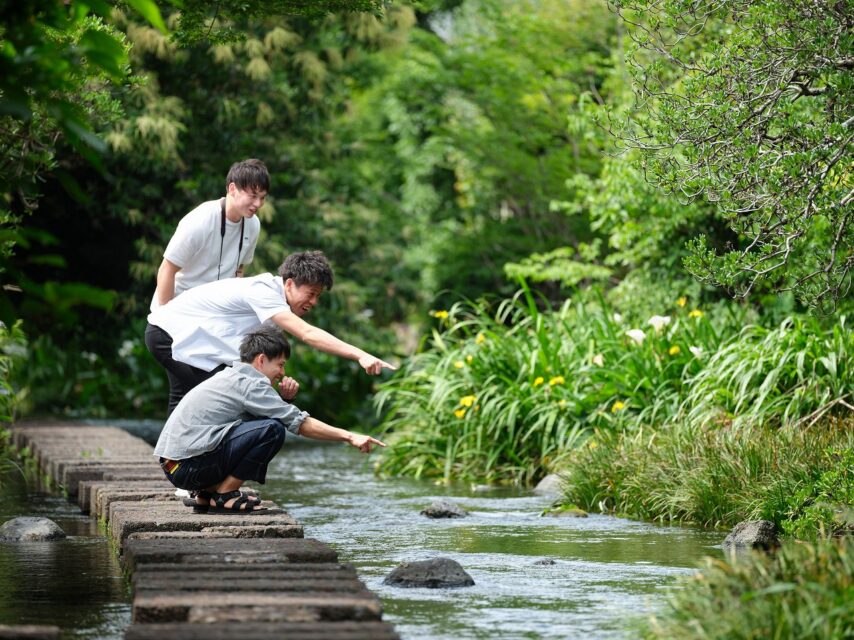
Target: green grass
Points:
(801, 478)
(803, 591)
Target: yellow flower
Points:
(682, 301)
(556, 380)
(468, 401)
(561, 403)
(469, 359)
(459, 364)
(439, 314)
(617, 406)
(592, 444)
(674, 350)
(480, 339)
(460, 413)
(696, 313)
(538, 381)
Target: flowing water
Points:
(607, 572)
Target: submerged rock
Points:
(437, 573)
(545, 562)
(442, 509)
(753, 534)
(29, 529)
(549, 486)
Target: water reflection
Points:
(607, 570)
(75, 584)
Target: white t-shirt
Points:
(195, 247)
(208, 322)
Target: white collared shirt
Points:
(208, 322)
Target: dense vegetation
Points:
(574, 188)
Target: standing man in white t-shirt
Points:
(217, 238)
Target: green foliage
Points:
(225, 20)
(792, 373)
(13, 344)
(506, 396)
(802, 591)
(73, 382)
(798, 477)
(747, 104)
(464, 139)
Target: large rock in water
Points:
(753, 534)
(434, 574)
(549, 486)
(28, 529)
(442, 509)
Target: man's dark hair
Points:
(249, 174)
(267, 340)
(307, 267)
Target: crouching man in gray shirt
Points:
(226, 430)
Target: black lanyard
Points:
(222, 240)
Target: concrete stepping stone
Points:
(88, 490)
(133, 517)
(366, 630)
(227, 551)
(29, 632)
(206, 607)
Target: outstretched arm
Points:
(326, 342)
(319, 430)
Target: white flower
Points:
(126, 349)
(618, 318)
(637, 335)
(659, 322)
(697, 351)
(91, 357)
(598, 360)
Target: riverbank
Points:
(799, 477)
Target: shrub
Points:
(802, 591)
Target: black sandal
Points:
(242, 503)
(191, 500)
(198, 507)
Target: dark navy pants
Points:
(182, 376)
(244, 453)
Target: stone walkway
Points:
(205, 576)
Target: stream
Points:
(607, 572)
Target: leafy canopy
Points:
(748, 103)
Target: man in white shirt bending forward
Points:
(198, 333)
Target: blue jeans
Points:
(244, 453)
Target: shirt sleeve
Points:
(265, 300)
(185, 244)
(263, 401)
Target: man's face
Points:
(273, 368)
(246, 202)
(301, 298)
